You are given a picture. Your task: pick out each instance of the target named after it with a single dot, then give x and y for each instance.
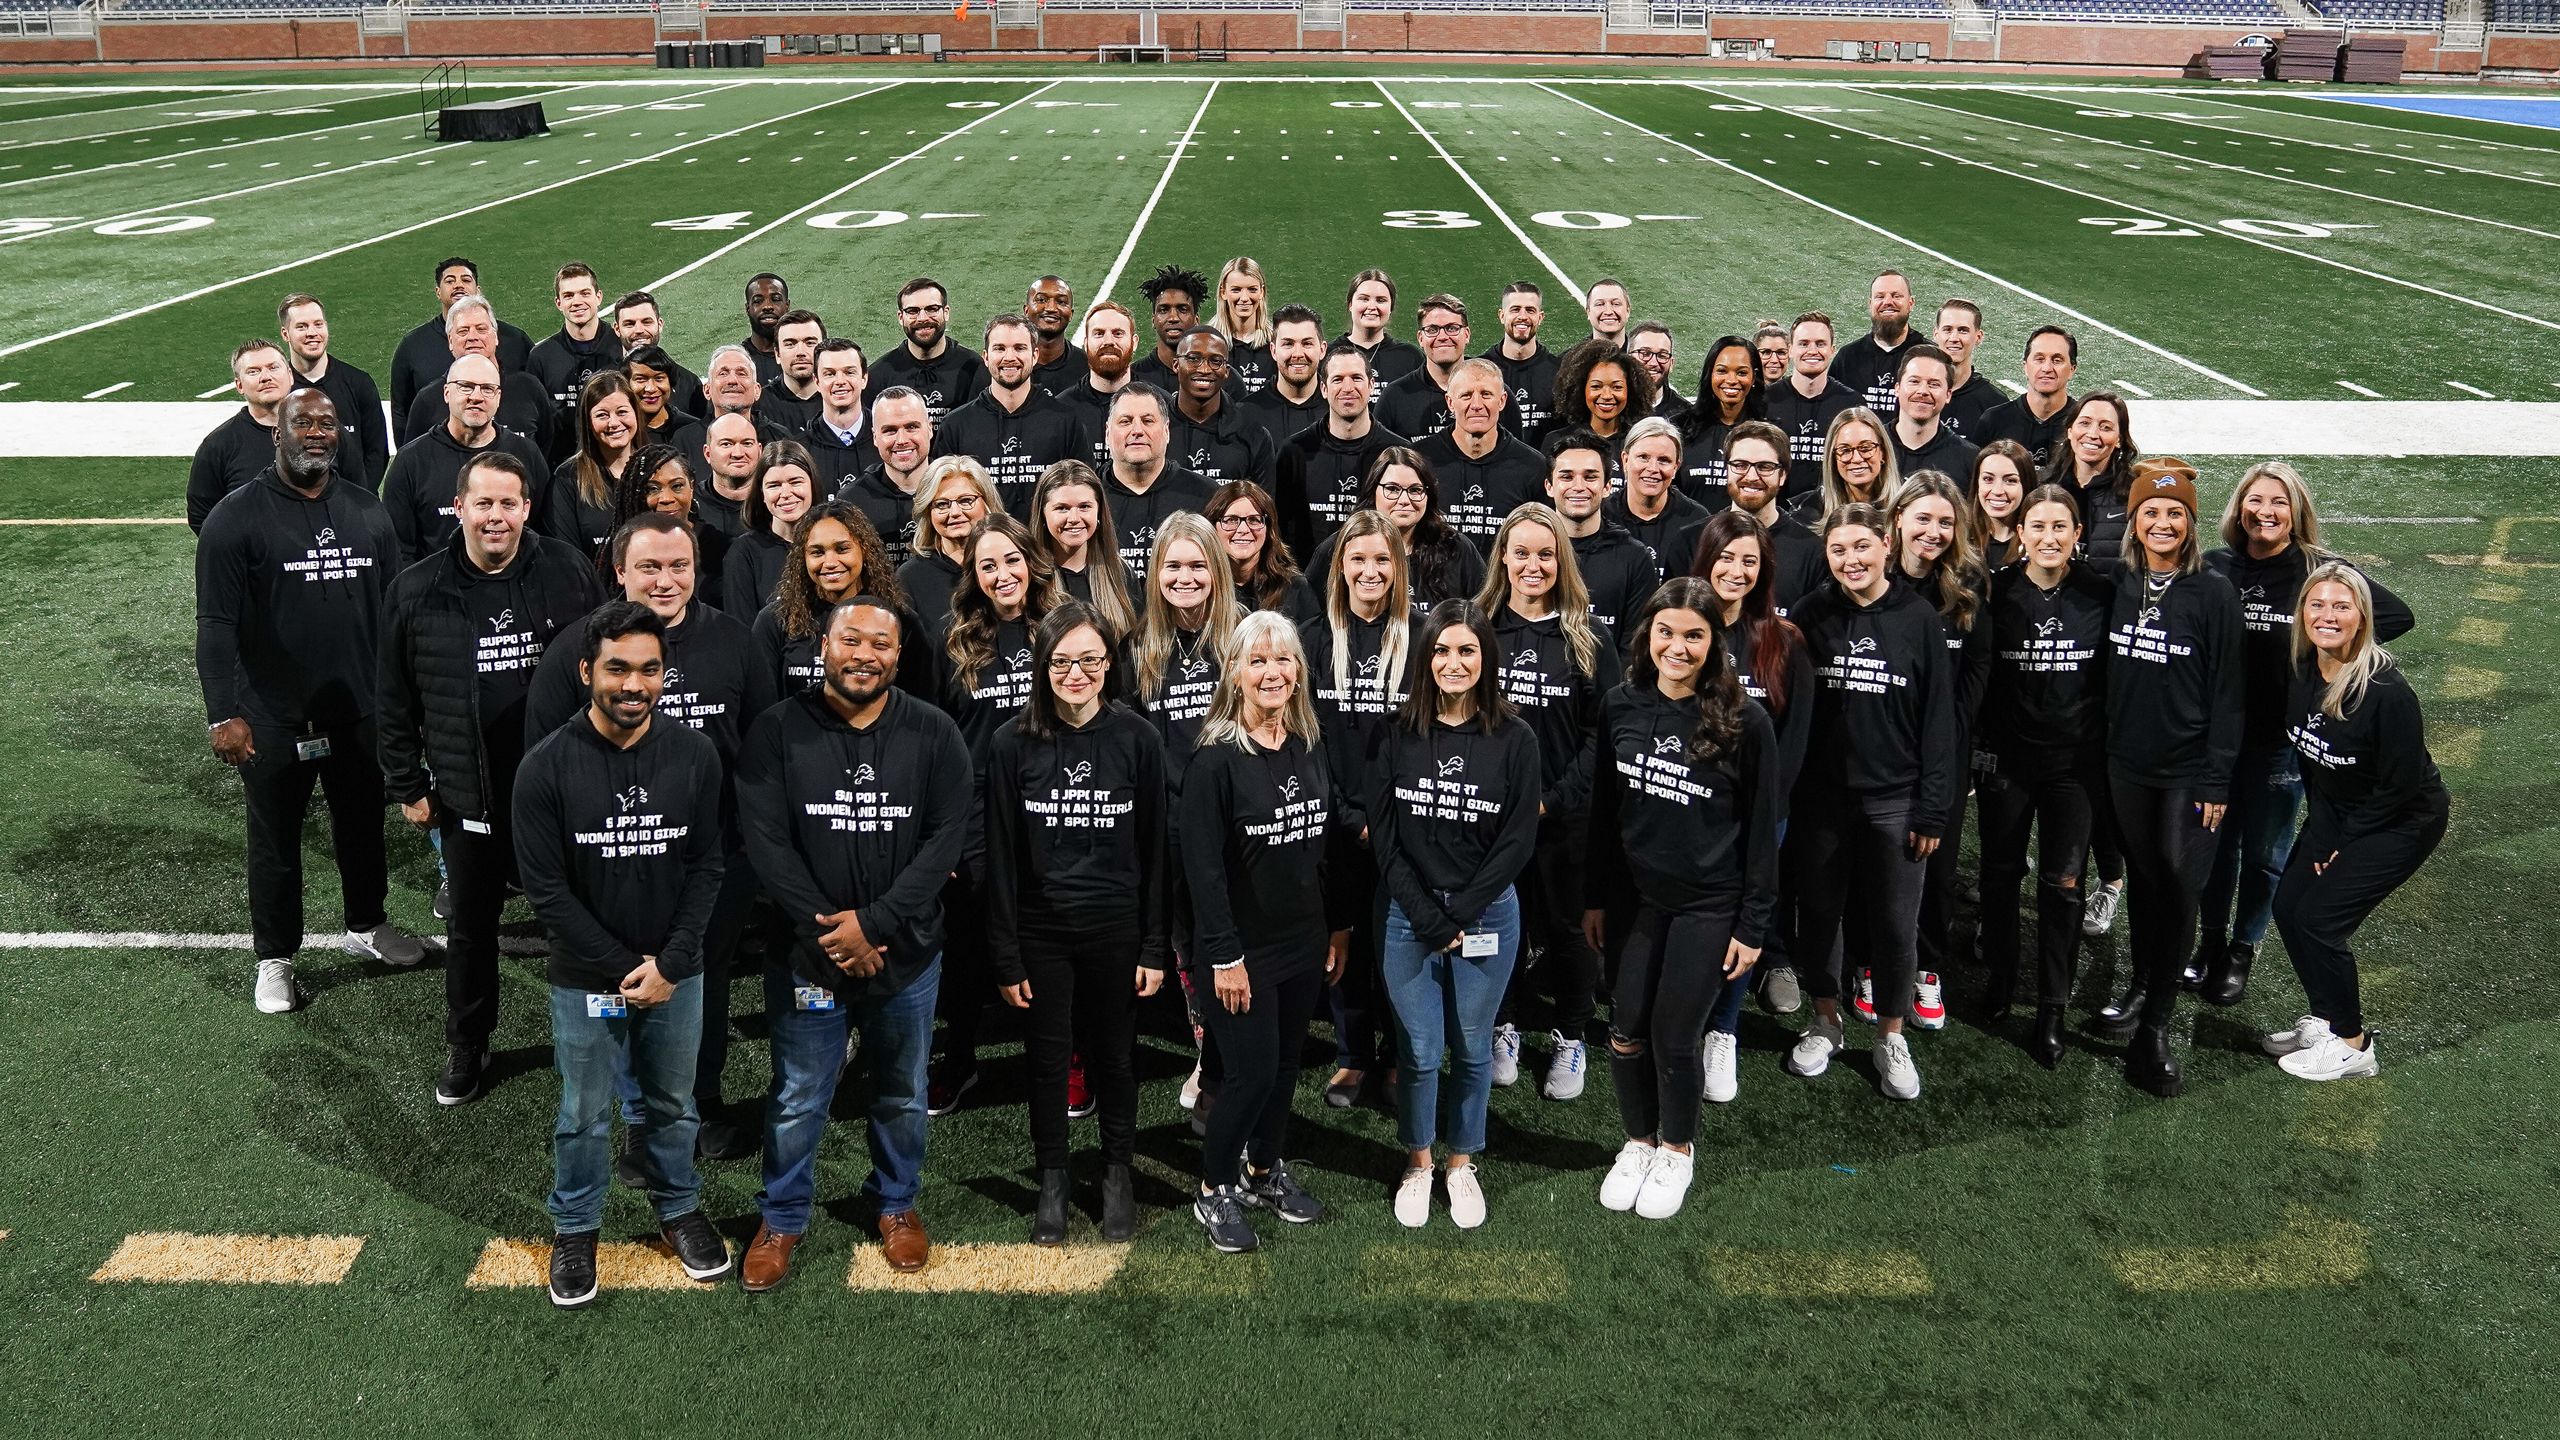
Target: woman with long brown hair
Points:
(1267, 578)
(1071, 527)
(786, 485)
(577, 506)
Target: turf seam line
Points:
(1181, 150)
(1938, 255)
(1499, 213)
(2208, 125)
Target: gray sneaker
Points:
(1780, 994)
(1564, 1068)
(1279, 1192)
(1221, 1213)
(2100, 915)
(1813, 1051)
(385, 942)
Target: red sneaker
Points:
(1865, 1000)
(1929, 1002)
(1079, 1094)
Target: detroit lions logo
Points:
(2255, 594)
(1079, 772)
(1668, 744)
(1475, 495)
(1289, 788)
(1196, 668)
(505, 620)
(933, 401)
(1200, 461)
(674, 677)
(2149, 619)
(1012, 445)
(2049, 627)
(632, 799)
(861, 774)
(1021, 660)
(1368, 669)
(2313, 724)
(1452, 765)
(1863, 645)
(328, 536)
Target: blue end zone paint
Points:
(2539, 112)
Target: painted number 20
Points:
(2125, 227)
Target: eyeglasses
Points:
(1767, 469)
(1243, 522)
(472, 387)
(1443, 330)
(1403, 492)
(1089, 664)
(959, 502)
(1863, 450)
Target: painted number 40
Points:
(2131, 227)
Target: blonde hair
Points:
(1159, 621)
(2306, 518)
(1225, 321)
(2136, 558)
(1573, 602)
(1225, 721)
(1835, 491)
(1960, 576)
(1650, 427)
(920, 508)
(2365, 658)
(1337, 602)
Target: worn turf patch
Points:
(166, 1258)
(1815, 1274)
(1502, 1277)
(620, 1265)
(2344, 1118)
(994, 1270)
(2309, 1251)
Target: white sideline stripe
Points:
(779, 221)
(84, 136)
(2354, 109)
(2216, 231)
(2128, 387)
(1940, 256)
(2235, 169)
(1181, 147)
(354, 245)
(2354, 388)
(1498, 212)
(2370, 154)
(171, 429)
(185, 940)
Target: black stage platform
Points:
(491, 120)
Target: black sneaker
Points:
(464, 1065)
(573, 1269)
(631, 1167)
(1221, 1213)
(724, 1140)
(942, 1092)
(1278, 1191)
(699, 1248)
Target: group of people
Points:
(1423, 686)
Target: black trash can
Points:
(679, 55)
(704, 55)
(754, 54)
(666, 55)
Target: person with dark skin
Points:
(768, 300)
(636, 322)
(1050, 306)
(1210, 436)
(1173, 300)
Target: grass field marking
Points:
(2345, 1118)
(2369, 154)
(2488, 634)
(2469, 389)
(2466, 682)
(181, 940)
(391, 159)
(2439, 136)
(2498, 594)
(2455, 747)
(2214, 230)
(1190, 1274)
(354, 245)
(620, 1265)
(1817, 1274)
(2353, 388)
(2495, 555)
(1469, 1275)
(1490, 203)
(169, 1258)
(2235, 169)
(2308, 1251)
(993, 1270)
(82, 138)
(2092, 321)
(779, 221)
(1146, 212)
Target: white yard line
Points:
(1146, 212)
(778, 222)
(2128, 387)
(2410, 157)
(104, 391)
(1490, 204)
(2216, 231)
(355, 245)
(2470, 389)
(2355, 389)
(1941, 257)
(184, 940)
(85, 137)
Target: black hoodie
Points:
(1808, 426)
(2174, 690)
(890, 510)
(229, 457)
(753, 574)
(930, 579)
(1798, 553)
(289, 593)
(1318, 484)
(1794, 721)
(2368, 772)
(998, 693)
(2044, 707)
(1692, 835)
(1075, 830)
(1968, 650)
(2268, 589)
(1354, 719)
(713, 683)
(1453, 819)
(794, 664)
(1618, 572)
(947, 381)
(419, 362)
(1014, 445)
(564, 366)
(1255, 829)
(865, 820)
(1135, 518)
(1532, 383)
(523, 406)
(1476, 496)
(418, 489)
(840, 461)
(1229, 445)
(1417, 406)
(1670, 538)
(1884, 702)
(1189, 683)
(620, 849)
(1560, 702)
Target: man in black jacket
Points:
(942, 372)
(461, 632)
(290, 575)
(471, 328)
(583, 347)
(1616, 568)
(854, 797)
(1319, 471)
(364, 437)
(242, 446)
(618, 829)
(422, 355)
(1014, 428)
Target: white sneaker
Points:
(385, 942)
(1564, 1068)
(1782, 994)
(1929, 1001)
(2333, 1059)
(1814, 1049)
(1721, 1084)
(2100, 916)
(1466, 1197)
(2306, 1033)
(1413, 1198)
(1900, 1078)
(1625, 1178)
(1191, 1090)
(275, 986)
(1506, 1054)
(1666, 1184)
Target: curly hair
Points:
(1573, 372)
(1176, 277)
(796, 603)
(630, 494)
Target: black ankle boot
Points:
(1049, 1222)
(2120, 1018)
(2046, 1047)
(1119, 1203)
(2149, 1065)
(2208, 955)
(2229, 978)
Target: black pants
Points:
(1842, 847)
(1670, 973)
(1084, 1000)
(1260, 1048)
(1360, 1005)
(2055, 804)
(2318, 914)
(477, 868)
(968, 983)
(2167, 856)
(1551, 902)
(1937, 922)
(277, 788)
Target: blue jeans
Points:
(656, 1046)
(808, 1048)
(2256, 840)
(1444, 1000)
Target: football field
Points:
(217, 1222)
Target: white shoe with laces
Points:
(275, 986)
(1721, 1082)
(1625, 1178)
(1899, 1078)
(1413, 1198)
(1929, 1001)
(1564, 1068)
(2306, 1033)
(1466, 1197)
(1814, 1049)
(1506, 1055)
(2333, 1059)
(1666, 1184)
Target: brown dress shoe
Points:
(768, 1261)
(902, 1240)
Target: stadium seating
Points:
(2398, 14)
(230, 7)
(31, 7)
(2524, 14)
(2246, 11)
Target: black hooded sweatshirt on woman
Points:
(2365, 773)
(2174, 690)
(289, 594)
(1560, 703)
(1884, 702)
(620, 850)
(868, 820)
(1453, 820)
(1670, 538)
(2268, 589)
(1793, 722)
(1255, 827)
(1075, 826)
(1692, 835)
(1354, 719)
(2044, 709)
(1617, 570)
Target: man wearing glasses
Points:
(946, 375)
(1210, 436)
(419, 487)
(1417, 406)
(1650, 343)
